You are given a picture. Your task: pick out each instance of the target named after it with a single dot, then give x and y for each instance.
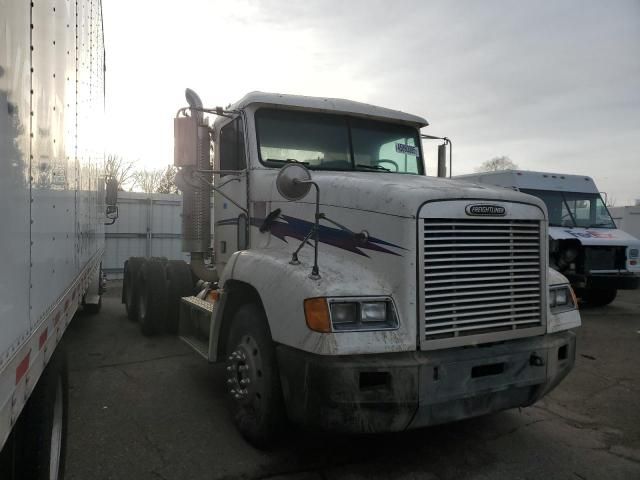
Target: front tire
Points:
(256, 403)
(599, 297)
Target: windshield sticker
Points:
(407, 149)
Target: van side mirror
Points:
(442, 160)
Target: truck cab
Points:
(584, 243)
(346, 290)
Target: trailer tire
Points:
(258, 412)
(599, 297)
(152, 295)
(179, 284)
(130, 287)
(40, 440)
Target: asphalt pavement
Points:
(150, 408)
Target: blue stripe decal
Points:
(297, 228)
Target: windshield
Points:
(335, 142)
(574, 209)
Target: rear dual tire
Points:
(152, 297)
(151, 292)
(179, 281)
(130, 286)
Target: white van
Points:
(584, 242)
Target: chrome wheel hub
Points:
(244, 371)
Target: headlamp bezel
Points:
(390, 323)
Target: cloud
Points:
(553, 85)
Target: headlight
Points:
(633, 253)
(561, 298)
(363, 314)
(350, 314)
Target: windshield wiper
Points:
(288, 160)
(596, 225)
(373, 167)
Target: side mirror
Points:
(112, 214)
(442, 160)
(294, 181)
(111, 197)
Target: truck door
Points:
(231, 222)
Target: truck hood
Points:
(403, 195)
(595, 236)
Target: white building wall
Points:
(627, 219)
(147, 226)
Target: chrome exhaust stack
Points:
(192, 156)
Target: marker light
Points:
(316, 312)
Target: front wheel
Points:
(253, 381)
(599, 297)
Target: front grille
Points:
(481, 276)
(604, 258)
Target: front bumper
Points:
(394, 392)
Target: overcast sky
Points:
(554, 85)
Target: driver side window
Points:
(232, 155)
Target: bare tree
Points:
(168, 181)
(148, 180)
(496, 164)
(120, 169)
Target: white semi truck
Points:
(344, 289)
(53, 203)
(584, 243)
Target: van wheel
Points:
(179, 284)
(40, 441)
(599, 297)
(256, 403)
(130, 287)
(152, 297)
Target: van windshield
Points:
(574, 209)
(336, 142)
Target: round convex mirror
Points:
(294, 181)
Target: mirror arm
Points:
(315, 272)
(217, 190)
(315, 232)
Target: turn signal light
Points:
(316, 312)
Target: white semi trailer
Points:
(584, 243)
(53, 203)
(344, 289)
